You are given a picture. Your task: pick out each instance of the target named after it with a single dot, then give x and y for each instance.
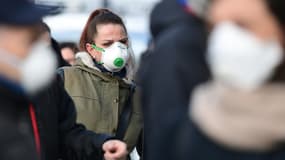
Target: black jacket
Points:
(16, 135)
(170, 72)
(60, 136)
(57, 52)
(174, 67)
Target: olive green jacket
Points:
(99, 99)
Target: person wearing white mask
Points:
(241, 110)
(101, 80)
(22, 60)
(37, 116)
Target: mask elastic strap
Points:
(98, 49)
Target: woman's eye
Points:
(107, 44)
(124, 41)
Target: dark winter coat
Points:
(16, 136)
(176, 65)
(60, 136)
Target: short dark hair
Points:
(277, 7)
(44, 27)
(71, 45)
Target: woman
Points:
(101, 81)
(240, 114)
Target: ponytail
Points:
(100, 16)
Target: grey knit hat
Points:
(199, 7)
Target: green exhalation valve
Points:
(118, 62)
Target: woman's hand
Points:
(115, 150)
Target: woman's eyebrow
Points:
(108, 40)
(111, 40)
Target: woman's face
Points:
(253, 15)
(107, 34)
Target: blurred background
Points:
(68, 25)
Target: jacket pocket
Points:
(89, 113)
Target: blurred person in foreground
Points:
(68, 51)
(37, 115)
(174, 67)
(101, 81)
(20, 62)
(240, 113)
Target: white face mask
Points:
(115, 57)
(37, 69)
(240, 59)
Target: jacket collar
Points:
(84, 59)
(121, 74)
(12, 92)
(12, 86)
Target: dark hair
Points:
(99, 16)
(55, 47)
(71, 45)
(277, 7)
(44, 27)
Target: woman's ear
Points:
(91, 50)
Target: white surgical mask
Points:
(240, 59)
(37, 69)
(115, 57)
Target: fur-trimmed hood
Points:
(130, 66)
